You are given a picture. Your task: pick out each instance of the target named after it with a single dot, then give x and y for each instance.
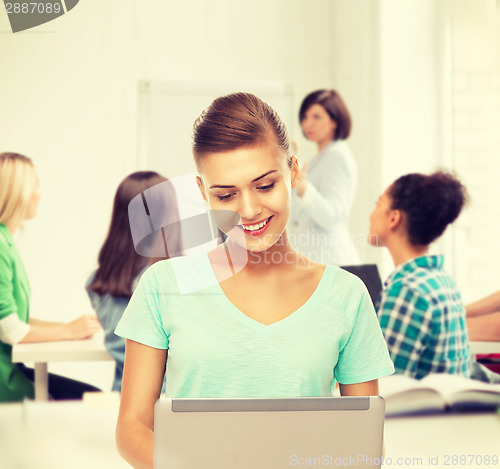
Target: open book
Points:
(436, 393)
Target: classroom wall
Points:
(355, 65)
(70, 88)
(476, 141)
(69, 94)
(388, 56)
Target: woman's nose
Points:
(250, 207)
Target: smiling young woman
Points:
(253, 317)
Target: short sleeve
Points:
(7, 301)
(365, 356)
(142, 320)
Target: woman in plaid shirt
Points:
(421, 311)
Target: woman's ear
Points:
(201, 187)
(395, 219)
(295, 170)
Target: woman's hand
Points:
(302, 184)
(46, 331)
(83, 328)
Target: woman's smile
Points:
(256, 229)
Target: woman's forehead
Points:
(241, 165)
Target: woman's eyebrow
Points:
(218, 186)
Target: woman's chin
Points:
(375, 241)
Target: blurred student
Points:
(323, 197)
(420, 310)
(19, 197)
(121, 265)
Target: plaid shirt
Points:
(422, 316)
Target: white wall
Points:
(355, 66)
(388, 57)
(69, 100)
(476, 142)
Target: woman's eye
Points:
(224, 197)
(266, 188)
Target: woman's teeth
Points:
(255, 227)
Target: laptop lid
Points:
(268, 433)
(370, 276)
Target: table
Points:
(484, 347)
(58, 351)
(80, 434)
(60, 435)
(448, 440)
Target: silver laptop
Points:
(269, 433)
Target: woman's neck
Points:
(323, 144)
(281, 255)
(404, 251)
(12, 225)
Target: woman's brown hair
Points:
(119, 262)
(238, 120)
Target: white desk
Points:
(62, 435)
(58, 351)
(59, 435)
(443, 441)
(484, 347)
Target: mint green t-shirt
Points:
(215, 350)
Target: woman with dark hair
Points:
(323, 198)
(19, 198)
(420, 310)
(253, 317)
(122, 261)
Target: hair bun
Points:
(430, 203)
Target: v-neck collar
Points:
(244, 318)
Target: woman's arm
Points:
(484, 328)
(488, 305)
(368, 388)
(141, 386)
(44, 331)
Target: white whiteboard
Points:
(168, 109)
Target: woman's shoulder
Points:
(180, 275)
(340, 151)
(343, 288)
(5, 238)
(336, 156)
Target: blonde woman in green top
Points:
(19, 197)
